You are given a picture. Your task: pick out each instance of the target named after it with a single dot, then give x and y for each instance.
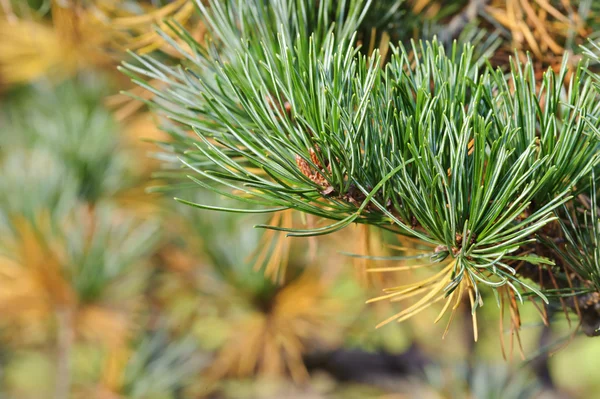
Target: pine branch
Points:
(432, 146)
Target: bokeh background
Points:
(109, 288)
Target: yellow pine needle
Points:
(272, 343)
(554, 12)
(433, 289)
(502, 18)
(409, 294)
(461, 288)
(419, 309)
(555, 47)
(392, 295)
(470, 146)
(267, 237)
(473, 314)
(136, 31)
(530, 38)
(398, 268)
(44, 259)
(247, 364)
(401, 293)
(445, 308)
(296, 367)
(426, 281)
(114, 367)
(149, 18)
(370, 242)
(151, 41)
(394, 317)
(31, 49)
(419, 5)
(449, 323)
(372, 41)
(454, 308)
(32, 281)
(439, 281)
(98, 323)
(276, 246)
(539, 27)
(28, 50)
(384, 47)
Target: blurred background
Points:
(111, 289)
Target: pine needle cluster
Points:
(436, 144)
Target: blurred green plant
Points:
(254, 325)
(71, 123)
(73, 259)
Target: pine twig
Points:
(64, 319)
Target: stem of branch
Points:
(65, 335)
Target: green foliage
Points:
(71, 123)
(105, 257)
(485, 176)
(161, 365)
(581, 228)
(433, 145)
(489, 381)
(230, 267)
(50, 185)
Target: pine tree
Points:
(493, 175)
(414, 146)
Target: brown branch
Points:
(586, 305)
(65, 335)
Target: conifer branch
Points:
(434, 145)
